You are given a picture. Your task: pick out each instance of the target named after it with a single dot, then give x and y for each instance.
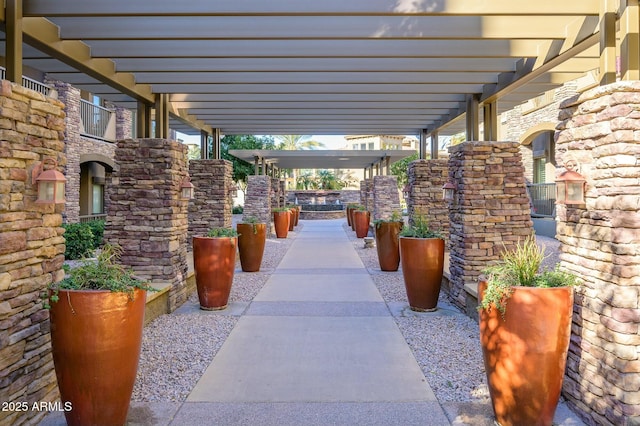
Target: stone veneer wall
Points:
(75, 146)
(491, 208)
(600, 243)
(124, 123)
(31, 249)
(147, 217)
(256, 201)
(212, 204)
(386, 199)
(425, 180)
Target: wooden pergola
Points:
(325, 67)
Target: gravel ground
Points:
(177, 348)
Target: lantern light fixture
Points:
(186, 188)
(50, 182)
(406, 191)
(448, 190)
(570, 187)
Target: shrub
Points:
(97, 227)
(79, 240)
(237, 210)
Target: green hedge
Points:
(82, 238)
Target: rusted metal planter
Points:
(422, 262)
(214, 264)
(525, 353)
(361, 219)
(281, 223)
(96, 338)
(251, 241)
(348, 212)
(388, 244)
(292, 218)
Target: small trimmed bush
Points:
(237, 210)
(97, 227)
(79, 240)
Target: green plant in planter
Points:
(252, 220)
(396, 216)
(222, 232)
(420, 229)
(101, 274)
(520, 267)
(280, 209)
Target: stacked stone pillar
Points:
(147, 216)
(490, 211)
(31, 249)
(212, 203)
(599, 136)
(386, 199)
(425, 181)
(366, 193)
(257, 201)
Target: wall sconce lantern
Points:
(570, 187)
(50, 183)
(186, 188)
(448, 190)
(405, 192)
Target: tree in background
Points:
(399, 169)
(296, 142)
(242, 169)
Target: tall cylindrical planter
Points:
(388, 244)
(96, 338)
(525, 353)
(214, 262)
(348, 212)
(292, 218)
(361, 220)
(281, 223)
(422, 262)
(252, 238)
(297, 208)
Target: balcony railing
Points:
(30, 83)
(97, 122)
(91, 217)
(543, 198)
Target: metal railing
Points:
(97, 122)
(91, 217)
(543, 199)
(30, 83)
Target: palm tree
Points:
(296, 142)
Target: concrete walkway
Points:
(317, 346)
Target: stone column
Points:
(31, 249)
(426, 178)
(147, 216)
(366, 193)
(491, 208)
(257, 203)
(124, 123)
(212, 204)
(275, 195)
(600, 243)
(70, 96)
(386, 199)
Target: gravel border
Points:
(178, 347)
(446, 347)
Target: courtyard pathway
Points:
(317, 346)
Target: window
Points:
(363, 146)
(371, 145)
(539, 170)
(97, 198)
